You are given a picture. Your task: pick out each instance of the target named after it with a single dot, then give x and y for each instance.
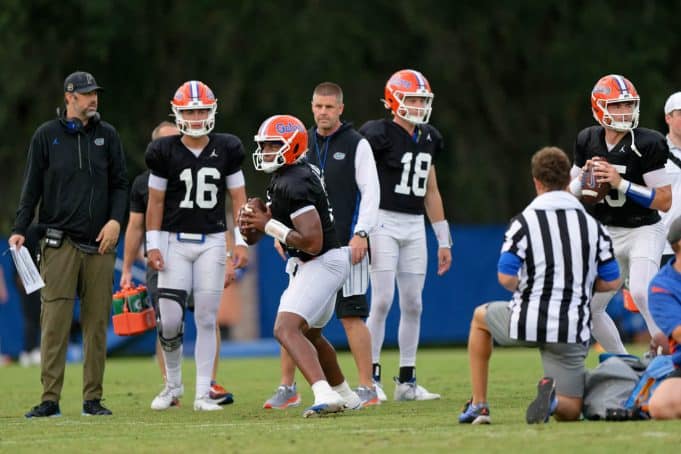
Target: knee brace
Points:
(180, 297)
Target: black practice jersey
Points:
(617, 209)
(139, 193)
(297, 186)
(403, 162)
(195, 195)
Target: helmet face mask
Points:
(286, 131)
(191, 96)
(614, 90)
(408, 96)
(266, 160)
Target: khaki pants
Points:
(67, 271)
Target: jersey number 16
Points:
(206, 192)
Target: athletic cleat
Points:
(379, 391)
(352, 400)
(368, 396)
(220, 395)
(541, 408)
(168, 397)
(46, 409)
(335, 404)
(94, 408)
(412, 391)
(475, 414)
(286, 396)
(205, 403)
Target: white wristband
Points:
(153, 238)
(238, 239)
(277, 230)
(442, 233)
(623, 187)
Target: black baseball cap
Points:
(674, 234)
(81, 82)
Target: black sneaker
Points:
(94, 408)
(544, 404)
(47, 408)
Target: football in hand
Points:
(592, 190)
(251, 235)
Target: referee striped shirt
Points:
(561, 247)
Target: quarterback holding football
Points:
(632, 161)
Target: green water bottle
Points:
(134, 302)
(144, 297)
(118, 302)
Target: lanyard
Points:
(322, 158)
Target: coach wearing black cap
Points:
(76, 172)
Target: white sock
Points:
(205, 313)
(343, 389)
(174, 367)
(604, 329)
(322, 391)
(410, 287)
(202, 386)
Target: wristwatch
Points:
(361, 234)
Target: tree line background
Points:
(508, 78)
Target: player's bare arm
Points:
(663, 198)
(305, 236)
(240, 253)
(154, 219)
(230, 270)
(436, 214)
(134, 234)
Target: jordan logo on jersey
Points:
(428, 138)
(213, 154)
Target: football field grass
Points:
(423, 427)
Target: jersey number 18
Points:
(418, 177)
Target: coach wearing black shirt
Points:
(76, 171)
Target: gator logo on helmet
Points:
(601, 89)
(400, 82)
(283, 128)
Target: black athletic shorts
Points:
(351, 306)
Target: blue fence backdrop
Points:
(448, 300)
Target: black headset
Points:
(74, 125)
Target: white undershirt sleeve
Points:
(657, 178)
(366, 177)
(235, 180)
(158, 183)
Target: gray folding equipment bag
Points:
(609, 385)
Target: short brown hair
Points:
(551, 167)
(161, 125)
(329, 89)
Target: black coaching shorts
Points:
(351, 306)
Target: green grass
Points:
(424, 427)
